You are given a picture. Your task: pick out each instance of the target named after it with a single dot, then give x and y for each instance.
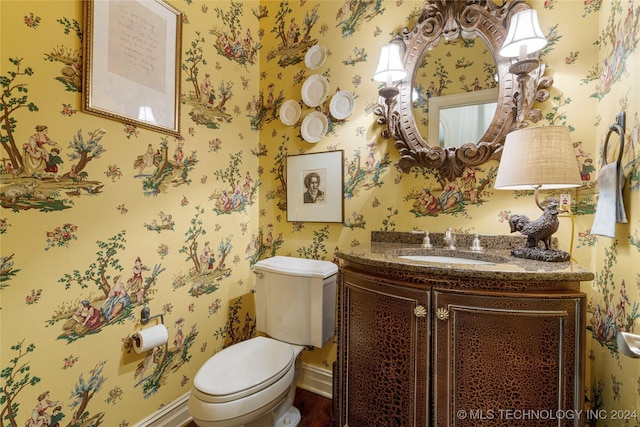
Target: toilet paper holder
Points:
(145, 316)
(629, 344)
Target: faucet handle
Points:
(475, 246)
(426, 242)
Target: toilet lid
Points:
(244, 368)
(293, 266)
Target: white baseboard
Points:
(316, 380)
(175, 414)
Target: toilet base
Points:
(285, 414)
(291, 418)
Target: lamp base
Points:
(537, 254)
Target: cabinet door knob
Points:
(442, 313)
(420, 311)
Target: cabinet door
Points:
(507, 360)
(383, 354)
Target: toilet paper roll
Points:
(149, 338)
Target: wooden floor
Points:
(315, 409)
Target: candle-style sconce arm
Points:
(532, 86)
(387, 113)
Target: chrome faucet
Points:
(449, 239)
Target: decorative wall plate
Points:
(290, 112)
(315, 90)
(341, 105)
(315, 57)
(314, 126)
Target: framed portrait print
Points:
(131, 61)
(315, 187)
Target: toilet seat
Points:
(243, 369)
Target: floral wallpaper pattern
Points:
(100, 219)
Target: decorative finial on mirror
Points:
(523, 39)
(390, 70)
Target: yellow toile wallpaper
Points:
(100, 219)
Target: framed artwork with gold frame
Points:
(315, 187)
(131, 61)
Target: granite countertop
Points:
(386, 248)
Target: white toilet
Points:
(253, 383)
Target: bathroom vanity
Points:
(471, 339)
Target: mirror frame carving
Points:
(449, 19)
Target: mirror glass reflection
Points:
(460, 66)
(462, 118)
(466, 124)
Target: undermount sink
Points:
(445, 259)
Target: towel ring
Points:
(617, 127)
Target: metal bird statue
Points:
(539, 230)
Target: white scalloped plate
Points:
(315, 90)
(341, 105)
(315, 57)
(314, 126)
(290, 112)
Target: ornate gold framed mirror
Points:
(466, 21)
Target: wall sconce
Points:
(390, 70)
(523, 39)
(538, 158)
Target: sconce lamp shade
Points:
(539, 157)
(390, 68)
(524, 36)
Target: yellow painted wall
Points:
(246, 136)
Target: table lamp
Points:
(538, 158)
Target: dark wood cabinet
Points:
(507, 359)
(433, 351)
(384, 353)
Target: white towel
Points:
(610, 209)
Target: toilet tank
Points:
(295, 299)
